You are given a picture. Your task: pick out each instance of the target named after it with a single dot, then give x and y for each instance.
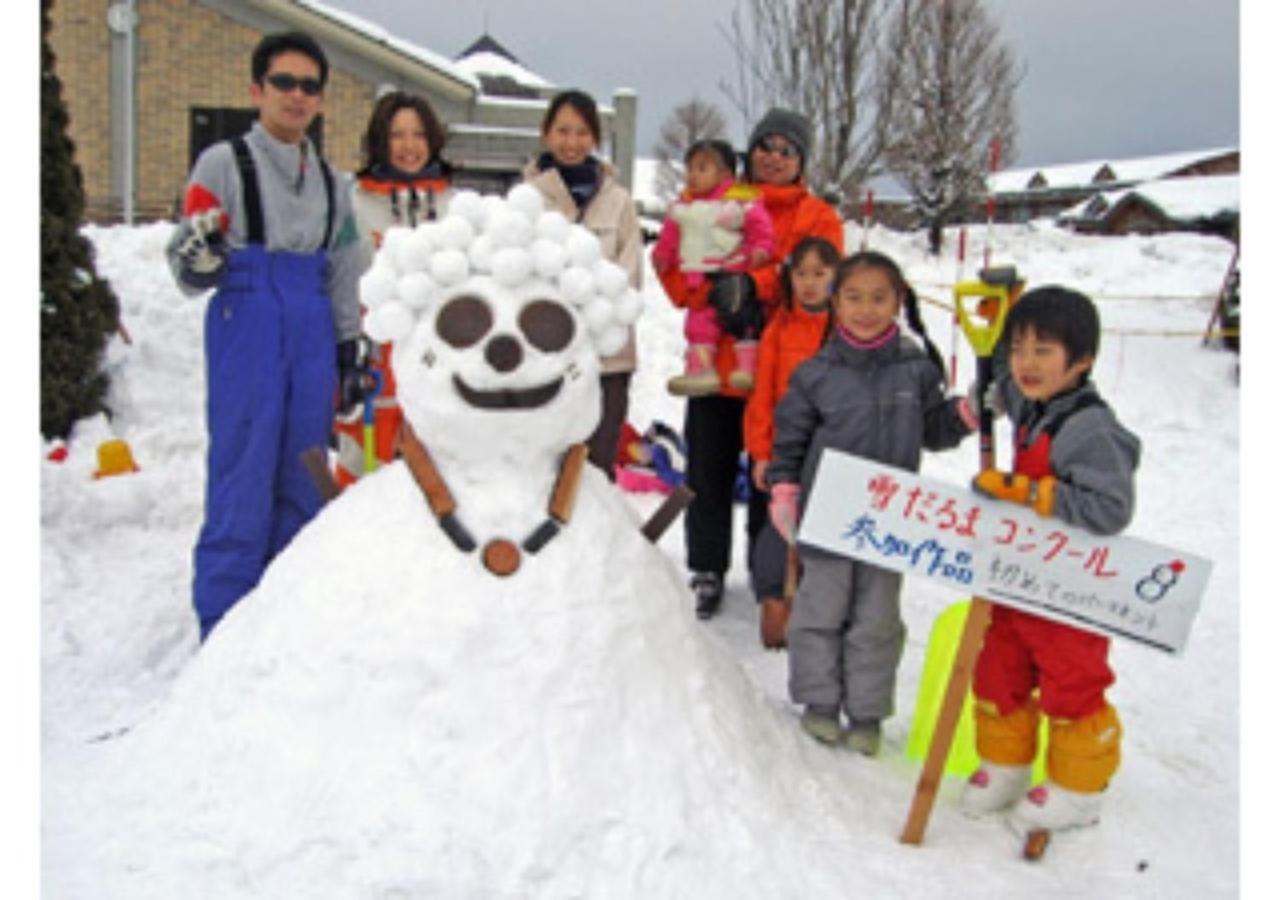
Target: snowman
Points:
(470, 674)
(499, 314)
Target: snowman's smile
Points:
(508, 398)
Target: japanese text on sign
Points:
(899, 520)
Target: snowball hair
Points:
(515, 240)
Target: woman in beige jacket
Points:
(574, 181)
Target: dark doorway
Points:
(211, 124)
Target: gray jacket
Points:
(294, 206)
(885, 405)
(1093, 456)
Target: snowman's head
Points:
(498, 313)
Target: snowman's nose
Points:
(503, 352)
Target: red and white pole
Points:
(868, 211)
(993, 163)
(955, 314)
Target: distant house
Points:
(150, 83)
(1024, 194)
(1203, 203)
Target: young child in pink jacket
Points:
(717, 225)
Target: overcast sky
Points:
(1103, 78)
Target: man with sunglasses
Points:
(269, 225)
(777, 149)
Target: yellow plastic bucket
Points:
(114, 458)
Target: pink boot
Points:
(700, 378)
(743, 376)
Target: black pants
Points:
(602, 446)
(713, 439)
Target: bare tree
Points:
(834, 61)
(957, 81)
(693, 120)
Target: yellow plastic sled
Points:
(962, 759)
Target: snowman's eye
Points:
(463, 321)
(547, 325)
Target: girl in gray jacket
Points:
(874, 392)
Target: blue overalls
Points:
(271, 375)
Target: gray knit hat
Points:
(791, 125)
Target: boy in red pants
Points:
(1075, 462)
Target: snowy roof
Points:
(1145, 168)
(1181, 199)
(1084, 174)
(489, 63)
(486, 43)
(379, 34)
(1046, 178)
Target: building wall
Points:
(195, 53)
(81, 47)
(189, 56)
(186, 55)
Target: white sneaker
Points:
(1051, 806)
(994, 787)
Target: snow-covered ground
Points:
(118, 639)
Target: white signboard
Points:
(1004, 552)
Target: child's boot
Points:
(822, 723)
(863, 736)
(1006, 745)
(774, 613)
(993, 787)
(1083, 755)
(700, 378)
(1052, 807)
(743, 376)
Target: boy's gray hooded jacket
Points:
(884, 404)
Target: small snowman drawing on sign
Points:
(1164, 576)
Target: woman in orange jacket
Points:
(795, 333)
(776, 153)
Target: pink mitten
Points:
(784, 502)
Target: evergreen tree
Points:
(78, 310)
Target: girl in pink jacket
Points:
(715, 226)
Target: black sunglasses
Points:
(284, 82)
(780, 146)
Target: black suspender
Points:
(253, 196)
(328, 193)
(249, 185)
(1054, 424)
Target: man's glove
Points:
(784, 504)
(1034, 492)
(202, 250)
(733, 296)
(353, 376)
